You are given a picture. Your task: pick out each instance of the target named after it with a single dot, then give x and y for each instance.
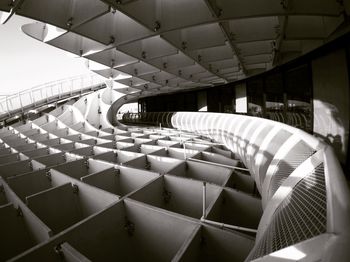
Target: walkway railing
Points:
(304, 192)
(48, 93)
(149, 118)
(298, 120)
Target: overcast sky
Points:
(26, 62)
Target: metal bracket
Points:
(166, 196)
(156, 26)
(129, 227)
(58, 250)
(148, 165)
(19, 212)
(138, 147)
(111, 39)
(69, 22)
(284, 4)
(75, 189)
(48, 175)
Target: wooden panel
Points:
(57, 207)
(14, 234)
(30, 183)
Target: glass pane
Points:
(255, 91)
(298, 87)
(274, 97)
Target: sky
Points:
(26, 62)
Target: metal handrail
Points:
(248, 138)
(13, 103)
(149, 118)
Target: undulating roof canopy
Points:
(156, 46)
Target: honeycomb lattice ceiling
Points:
(155, 46)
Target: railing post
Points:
(11, 104)
(33, 92)
(20, 101)
(7, 105)
(31, 97)
(71, 88)
(204, 200)
(47, 97)
(60, 91)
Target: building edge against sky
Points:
(26, 63)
